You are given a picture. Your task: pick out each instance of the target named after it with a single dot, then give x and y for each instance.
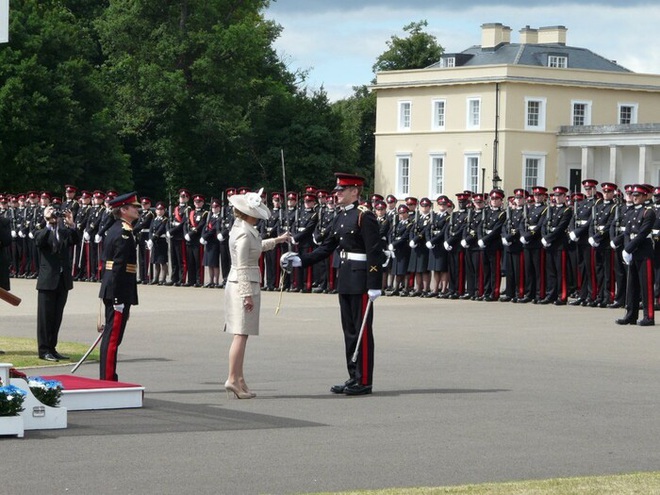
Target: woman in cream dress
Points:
(243, 288)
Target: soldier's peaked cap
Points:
(124, 200)
(348, 180)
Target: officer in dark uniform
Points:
(209, 240)
(119, 284)
(419, 252)
(380, 209)
(533, 252)
(599, 239)
(18, 239)
(454, 231)
(70, 202)
(157, 245)
(438, 257)
(82, 249)
(306, 221)
(638, 255)
(622, 215)
(355, 233)
(474, 265)
(513, 251)
(289, 223)
(490, 241)
(92, 269)
(400, 247)
(177, 243)
(579, 233)
(272, 229)
(555, 242)
(323, 270)
(192, 232)
(141, 229)
(30, 249)
(656, 247)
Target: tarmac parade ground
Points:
(464, 392)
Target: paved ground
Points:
(465, 392)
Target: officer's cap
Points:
(608, 187)
(199, 197)
(539, 190)
(348, 180)
(496, 194)
(391, 198)
(70, 188)
(124, 200)
(425, 202)
(589, 182)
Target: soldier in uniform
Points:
(303, 237)
(579, 233)
(513, 248)
(438, 264)
(70, 203)
(555, 243)
(226, 224)
(400, 246)
(90, 235)
(289, 222)
(380, 209)
(82, 249)
(119, 284)
(209, 240)
(490, 241)
(355, 233)
(533, 252)
(18, 236)
(272, 229)
(326, 216)
(638, 255)
(141, 229)
(599, 239)
(419, 253)
(157, 245)
(192, 232)
(656, 247)
(456, 226)
(175, 235)
(30, 248)
(474, 281)
(622, 215)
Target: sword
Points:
(364, 324)
(100, 327)
(283, 274)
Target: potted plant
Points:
(11, 405)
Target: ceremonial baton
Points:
(364, 324)
(12, 299)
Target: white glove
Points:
(505, 242)
(612, 245)
(168, 235)
(373, 294)
(31, 235)
(447, 246)
(390, 247)
(593, 242)
(290, 260)
(572, 235)
(481, 243)
(86, 236)
(429, 245)
(220, 237)
(389, 254)
(412, 244)
(21, 234)
(294, 242)
(97, 238)
(464, 243)
(175, 223)
(627, 257)
(14, 234)
(150, 244)
(187, 237)
(202, 241)
(523, 240)
(545, 243)
(119, 308)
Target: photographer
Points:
(54, 281)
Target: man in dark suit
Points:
(119, 283)
(54, 282)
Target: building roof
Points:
(530, 54)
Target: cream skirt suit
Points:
(244, 279)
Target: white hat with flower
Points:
(251, 204)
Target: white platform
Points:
(86, 394)
(38, 416)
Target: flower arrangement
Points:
(48, 392)
(11, 400)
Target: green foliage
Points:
(416, 51)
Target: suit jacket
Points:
(55, 257)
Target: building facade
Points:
(504, 114)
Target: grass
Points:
(623, 484)
(22, 353)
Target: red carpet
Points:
(72, 382)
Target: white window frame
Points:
(405, 119)
(633, 114)
(434, 180)
(448, 62)
(540, 178)
(467, 176)
(558, 61)
(403, 167)
(541, 116)
(436, 125)
(587, 111)
(469, 121)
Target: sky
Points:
(338, 41)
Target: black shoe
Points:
(646, 322)
(587, 302)
(466, 296)
(615, 305)
(339, 389)
(454, 296)
(505, 299)
(357, 389)
(525, 300)
(317, 290)
(487, 299)
(625, 321)
(577, 302)
(168, 284)
(545, 301)
(49, 357)
(559, 302)
(61, 357)
(416, 293)
(403, 293)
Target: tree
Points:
(417, 51)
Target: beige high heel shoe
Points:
(238, 392)
(245, 389)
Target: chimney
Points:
(493, 35)
(529, 36)
(552, 35)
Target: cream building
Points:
(537, 112)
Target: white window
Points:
(473, 113)
(533, 170)
(405, 109)
(472, 171)
(403, 175)
(438, 123)
(627, 113)
(558, 61)
(437, 164)
(535, 114)
(581, 112)
(448, 62)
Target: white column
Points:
(586, 162)
(614, 153)
(643, 161)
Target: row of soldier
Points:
(547, 246)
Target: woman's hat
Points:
(250, 204)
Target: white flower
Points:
(254, 199)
